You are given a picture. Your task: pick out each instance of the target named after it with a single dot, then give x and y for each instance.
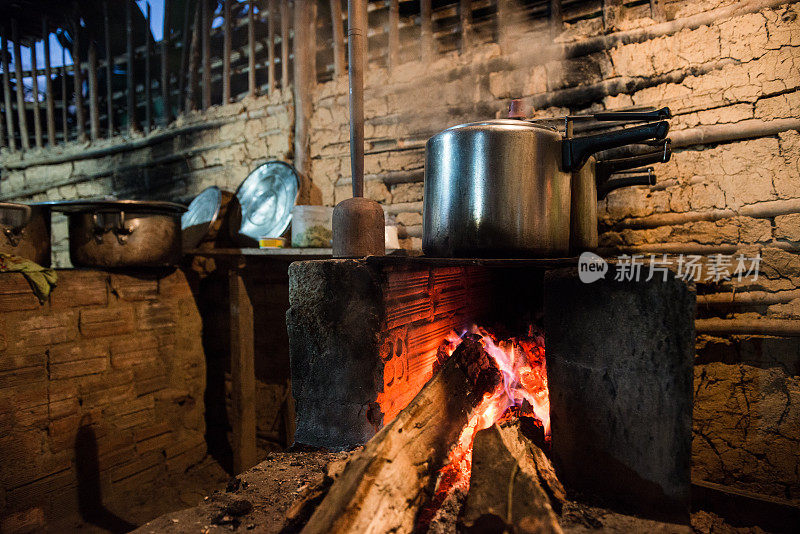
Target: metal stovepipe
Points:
(356, 38)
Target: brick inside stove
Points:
(363, 340)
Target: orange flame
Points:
(522, 364)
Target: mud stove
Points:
(366, 335)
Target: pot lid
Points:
(202, 213)
(504, 124)
(266, 198)
(133, 206)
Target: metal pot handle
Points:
(115, 223)
(635, 177)
(14, 232)
(576, 151)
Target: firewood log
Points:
(508, 488)
(383, 487)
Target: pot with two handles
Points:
(25, 232)
(502, 188)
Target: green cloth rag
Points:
(41, 279)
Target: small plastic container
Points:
(312, 226)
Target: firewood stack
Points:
(513, 487)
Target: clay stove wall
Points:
(102, 384)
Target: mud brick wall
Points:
(100, 385)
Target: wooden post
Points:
(165, 42)
(426, 30)
(37, 117)
(338, 35)
(284, 45)
(94, 104)
(206, 22)
(226, 53)
(251, 50)
(242, 374)
(465, 16)
(23, 121)
(273, 14)
(48, 70)
(182, 74)
(12, 140)
(78, 77)
(305, 79)
(556, 18)
(191, 89)
(148, 81)
(2, 133)
(133, 125)
(64, 97)
(109, 71)
(394, 33)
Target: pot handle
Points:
(605, 168)
(15, 229)
(576, 151)
(635, 178)
(112, 222)
(654, 115)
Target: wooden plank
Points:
(12, 141)
(94, 104)
(148, 81)
(23, 121)
(206, 54)
(338, 36)
(251, 50)
(37, 116)
(165, 44)
(273, 15)
(242, 374)
(78, 77)
(133, 125)
(426, 30)
(465, 20)
(284, 45)
(226, 53)
(48, 71)
(109, 72)
(305, 79)
(394, 34)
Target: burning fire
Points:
(524, 391)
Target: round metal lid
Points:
(266, 198)
(503, 124)
(202, 213)
(133, 206)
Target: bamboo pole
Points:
(133, 125)
(226, 53)
(64, 97)
(148, 81)
(338, 35)
(37, 117)
(23, 121)
(94, 103)
(206, 22)
(48, 70)
(284, 45)
(426, 30)
(273, 14)
(394, 33)
(12, 140)
(165, 42)
(465, 19)
(109, 71)
(251, 50)
(78, 77)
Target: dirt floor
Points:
(259, 500)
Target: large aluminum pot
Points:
(501, 188)
(25, 232)
(123, 233)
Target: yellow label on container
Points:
(271, 242)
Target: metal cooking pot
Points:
(25, 232)
(122, 233)
(598, 178)
(502, 187)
